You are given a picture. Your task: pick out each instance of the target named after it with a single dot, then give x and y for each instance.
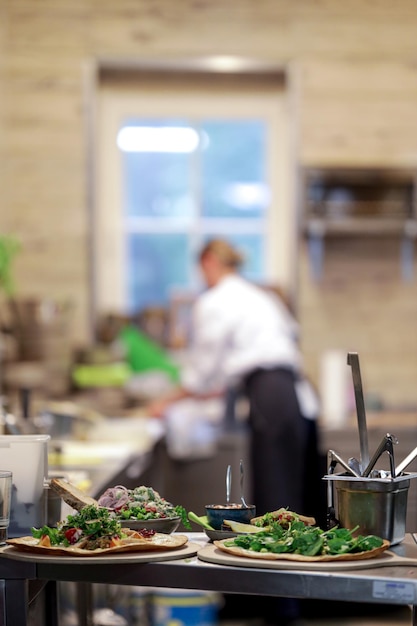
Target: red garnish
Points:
(146, 532)
(73, 534)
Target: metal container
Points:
(376, 506)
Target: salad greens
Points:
(297, 538)
(92, 522)
(141, 503)
(141, 513)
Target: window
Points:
(175, 197)
(177, 166)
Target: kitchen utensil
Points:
(353, 361)
(354, 465)
(386, 445)
(406, 462)
(242, 497)
(334, 458)
(228, 482)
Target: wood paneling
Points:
(356, 104)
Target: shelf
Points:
(361, 226)
(353, 202)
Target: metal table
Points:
(394, 585)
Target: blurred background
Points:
(303, 117)
(130, 132)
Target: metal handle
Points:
(353, 361)
(242, 497)
(228, 483)
(334, 458)
(385, 445)
(406, 462)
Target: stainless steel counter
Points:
(385, 585)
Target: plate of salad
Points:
(93, 531)
(143, 508)
(299, 542)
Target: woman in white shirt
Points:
(242, 334)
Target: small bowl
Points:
(218, 535)
(216, 513)
(165, 525)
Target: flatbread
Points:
(71, 495)
(287, 556)
(159, 541)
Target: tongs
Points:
(386, 445)
(333, 459)
(407, 461)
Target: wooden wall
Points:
(356, 66)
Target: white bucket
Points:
(26, 456)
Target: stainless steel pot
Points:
(374, 506)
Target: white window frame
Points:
(113, 105)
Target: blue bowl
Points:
(216, 513)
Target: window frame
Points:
(251, 78)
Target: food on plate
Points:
(283, 516)
(302, 542)
(91, 528)
(133, 542)
(140, 503)
(94, 530)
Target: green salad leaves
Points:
(92, 522)
(297, 538)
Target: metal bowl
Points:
(161, 524)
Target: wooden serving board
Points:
(407, 556)
(189, 550)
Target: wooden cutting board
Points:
(404, 555)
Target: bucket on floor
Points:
(181, 607)
(139, 610)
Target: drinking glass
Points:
(5, 500)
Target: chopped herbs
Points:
(91, 522)
(297, 538)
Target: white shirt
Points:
(238, 327)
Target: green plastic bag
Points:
(143, 354)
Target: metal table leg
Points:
(85, 604)
(14, 602)
(51, 603)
